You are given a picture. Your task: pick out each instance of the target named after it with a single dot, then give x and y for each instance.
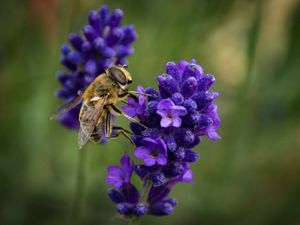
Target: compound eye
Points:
(118, 75)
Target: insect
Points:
(99, 104)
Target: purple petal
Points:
(187, 177)
(178, 110)
(113, 170)
(129, 110)
(142, 98)
(149, 161)
(140, 89)
(211, 130)
(165, 122)
(132, 102)
(141, 152)
(126, 167)
(162, 112)
(176, 122)
(114, 176)
(163, 144)
(213, 135)
(161, 160)
(114, 182)
(125, 160)
(150, 141)
(165, 104)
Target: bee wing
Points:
(89, 120)
(107, 123)
(65, 108)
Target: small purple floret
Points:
(136, 108)
(170, 113)
(120, 175)
(152, 151)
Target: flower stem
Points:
(77, 214)
(146, 191)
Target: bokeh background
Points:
(249, 177)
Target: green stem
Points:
(146, 191)
(77, 214)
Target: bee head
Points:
(119, 74)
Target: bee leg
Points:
(120, 130)
(123, 95)
(133, 94)
(119, 112)
(140, 93)
(107, 124)
(95, 138)
(127, 94)
(134, 97)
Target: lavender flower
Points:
(153, 151)
(136, 108)
(103, 42)
(124, 193)
(177, 117)
(170, 113)
(120, 175)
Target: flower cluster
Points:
(176, 117)
(102, 43)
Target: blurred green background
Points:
(249, 177)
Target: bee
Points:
(99, 104)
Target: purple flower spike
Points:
(102, 43)
(176, 119)
(120, 175)
(170, 113)
(153, 151)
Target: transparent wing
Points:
(89, 120)
(107, 123)
(65, 108)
